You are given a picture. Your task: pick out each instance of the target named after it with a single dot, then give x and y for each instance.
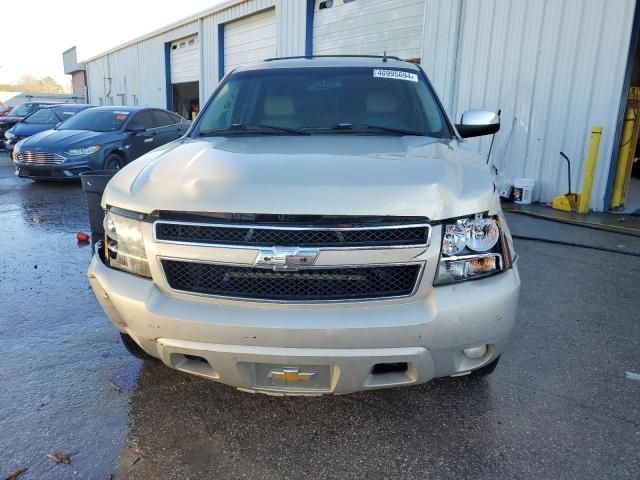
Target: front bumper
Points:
(68, 170)
(232, 342)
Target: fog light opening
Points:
(475, 353)
(382, 368)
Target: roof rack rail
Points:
(382, 57)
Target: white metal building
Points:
(555, 68)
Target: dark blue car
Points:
(99, 138)
(41, 120)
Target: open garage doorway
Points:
(186, 99)
(185, 74)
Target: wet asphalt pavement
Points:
(559, 405)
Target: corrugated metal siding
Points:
(144, 63)
(369, 27)
(209, 43)
(291, 27)
(136, 72)
(249, 39)
(554, 67)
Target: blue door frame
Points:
(167, 75)
(220, 51)
(631, 58)
(308, 40)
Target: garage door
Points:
(368, 27)
(185, 60)
(249, 39)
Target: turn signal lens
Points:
(465, 268)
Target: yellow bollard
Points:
(590, 169)
(624, 157)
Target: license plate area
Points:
(270, 376)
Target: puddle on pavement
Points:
(59, 350)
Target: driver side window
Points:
(143, 119)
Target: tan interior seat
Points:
(279, 110)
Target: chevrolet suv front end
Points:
(319, 230)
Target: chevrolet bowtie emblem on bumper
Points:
(286, 258)
(291, 375)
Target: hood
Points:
(22, 129)
(65, 139)
(314, 175)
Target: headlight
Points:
(124, 242)
(472, 248)
(84, 150)
(16, 148)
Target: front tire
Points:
(487, 369)
(113, 162)
(133, 348)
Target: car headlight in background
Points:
(16, 149)
(124, 242)
(84, 150)
(8, 135)
(472, 247)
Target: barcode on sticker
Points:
(395, 74)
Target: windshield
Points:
(45, 115)
(96, 120)
(24, 109)
(324, 100)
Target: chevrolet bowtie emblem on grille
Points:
(286, 258)
(291, 375)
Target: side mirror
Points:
(135, 129)
(476, 123)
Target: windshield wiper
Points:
(260, 128)
(356, 127)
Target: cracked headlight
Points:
(473, 247)
(124, 242)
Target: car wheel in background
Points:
(133, 348)
(113, 162)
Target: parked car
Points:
(44, 119)
(96, 138)
(19, 112)
(320, 229)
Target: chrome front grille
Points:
(376, 235)
(40, 158)
(298, 259)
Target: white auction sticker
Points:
(395, 74)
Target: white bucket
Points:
(523, 190)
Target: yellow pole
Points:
(590, 169)
(624, 156)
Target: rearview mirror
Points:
(476, 123)
(136, 129)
